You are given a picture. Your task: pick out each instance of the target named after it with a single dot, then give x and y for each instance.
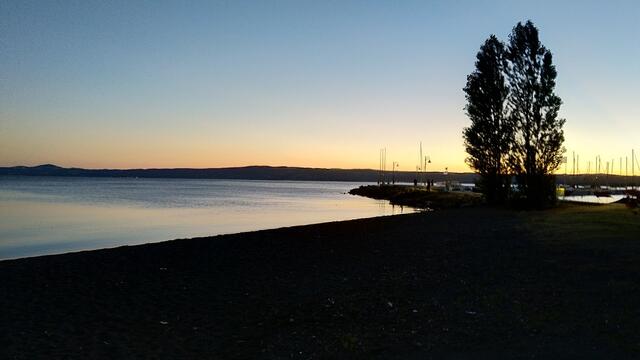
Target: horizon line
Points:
(229, 167)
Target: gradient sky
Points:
(123, 84)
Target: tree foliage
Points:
(536, 150)
(487, 140)
(515, 129)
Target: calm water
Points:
(593, 199)
(47, 215)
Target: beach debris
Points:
(469, 312)
(291, 320)
(390, 304)
(164, 322)
(414, 311)
(163, 268)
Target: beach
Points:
(457, 283)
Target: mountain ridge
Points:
(252, 172)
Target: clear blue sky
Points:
(305, 83)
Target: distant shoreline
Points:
(238, 173)
(259, 172)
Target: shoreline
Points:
(253, 172)
(212, 237)
(451, 283)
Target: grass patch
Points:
(594, 226)
(588, 271)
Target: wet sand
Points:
(459, 283)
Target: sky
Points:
(141, 84)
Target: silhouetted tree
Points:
(488, 139)
(537, 150)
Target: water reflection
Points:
(54, 215)
(593, 199)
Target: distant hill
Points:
(245, 173)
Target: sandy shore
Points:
(462, 283)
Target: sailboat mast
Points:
(420, 162)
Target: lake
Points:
(592, 199)
(50, 215)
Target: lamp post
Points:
(427, 160)
(446, 179)
(394, 165)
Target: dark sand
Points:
(465, 283)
